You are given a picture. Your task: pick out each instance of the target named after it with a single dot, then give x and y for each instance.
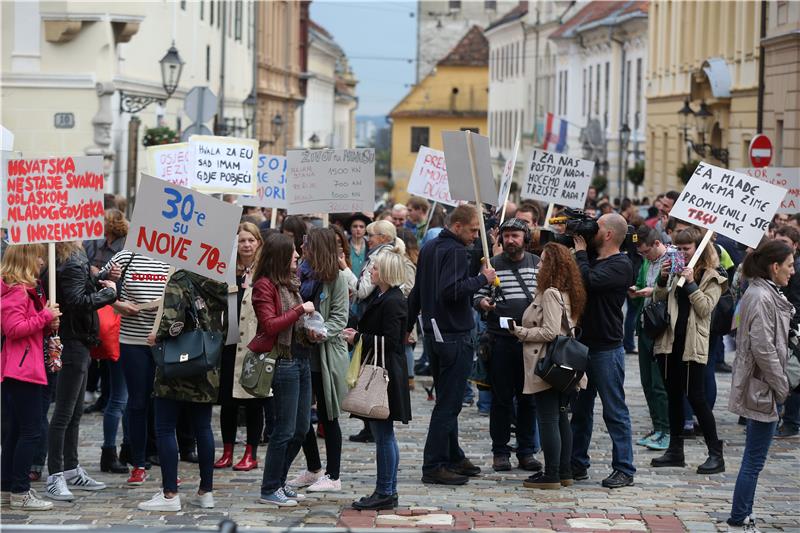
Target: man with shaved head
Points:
(606, 279)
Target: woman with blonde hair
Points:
(25, 317)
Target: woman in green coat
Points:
(322, 283)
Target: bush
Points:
(600, 182)
(160, 135)
(686, 170)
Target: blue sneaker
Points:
(646, 439)
(277, 498)
(660, 441)
(293, 494)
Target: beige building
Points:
(74, 73)
(782, 82)
(703, 52)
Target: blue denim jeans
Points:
(451, 363)
(629, 326)
(291, 390)
(139, 369)
(115, 408)
(387, 455)
(606, 375)
(166, 414)
(791, 411)
(22, 405)
(484, 401)
(756, 447)
(409, 348)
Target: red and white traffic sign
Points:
(760, 151)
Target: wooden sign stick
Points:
(697, 253)
(478, 203)
(273, 218)
(51, 270)
(430, 215)
(548, 215)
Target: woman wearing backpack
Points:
(682, 349)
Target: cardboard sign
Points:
(170, 162)
(429, 178)
(53, 199)
(330, 181)
(183, 228)
(223, 164)
(787, 178)
(271, 188)
(557, 179)
(508, 175)
(459, 170)
(728, 202)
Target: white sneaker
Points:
(293, 494)
(205, 501)
(277, 498)
(305, 479)
(57, 488)
(326, 484)
(80, 480)
(161, 503)
(748, 526)
(30, 501)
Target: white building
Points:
(66, 65)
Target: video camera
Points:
(577, 222)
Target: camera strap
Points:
(522, 285)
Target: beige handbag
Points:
(370, 397)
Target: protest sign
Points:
(557, 179)
(330, 181)
(506, 179)
(223, 164)
(787, 178)
(6, 139)
(429, 178)
(53, 199)
(271, 188)
(170, 162)
(728, 202)
(459, 170)
(183, 228)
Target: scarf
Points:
(290, 297)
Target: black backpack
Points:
(722, 316)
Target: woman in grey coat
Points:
(759, 381)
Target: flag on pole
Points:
(555, 134)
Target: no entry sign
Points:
(760, 151)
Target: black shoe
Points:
(444, 476)
(375, 502)
(190, 457)
(786, 432)
(529, 463)
(617, 480)
(93, 408)
(540, 481)
(715, 462)
(465, 468)
(501, 463)
(154, 460)
(723, 368)
(673, 456)
(362, 436)
(109, 462)
(396, 500)
(580, 473)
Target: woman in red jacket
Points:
(278, 306)
(26, 317)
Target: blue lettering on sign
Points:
(186, 210)
(271, 177)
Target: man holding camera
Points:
(606, 279)
(517, 270)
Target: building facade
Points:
(706, 54)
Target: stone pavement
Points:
(662, 500)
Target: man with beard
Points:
(606, 280)
(517, 270)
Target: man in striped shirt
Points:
(516, 269)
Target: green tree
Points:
(636, 176)
(686, 170)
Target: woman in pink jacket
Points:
(26, 317)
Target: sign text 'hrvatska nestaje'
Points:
(557, 179)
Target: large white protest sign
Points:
(6, 139)
(53, 199)
(183, 228)
(271, 188)
(223, 164)
(557, 179)
(508, 175)
(330, 181)
(170, 162)
(787, 178)
(459, 169)
(429, 178)
(728, 202)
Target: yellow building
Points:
(704, 53)
(454, 96)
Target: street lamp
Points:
(171, 67)
(277, 126)
(249, 105)
(704, 119)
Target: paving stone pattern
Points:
(662, 500)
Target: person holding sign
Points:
(26, 318)
(443, 291)
(682, 350)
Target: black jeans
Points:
(65, 423)
(507, 377)
(167, 413)
(333, 435)
(48, 395)
(229, 412)
(22, 408)
(555, 432)
(686, 378)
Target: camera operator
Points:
(606, 279)
(516, 269)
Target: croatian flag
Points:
(555, 133)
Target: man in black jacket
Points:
(443, 291)
(607, 280)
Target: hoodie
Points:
(24, 319)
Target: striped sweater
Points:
(514, 301)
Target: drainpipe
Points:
(620, 155)
(761, 68)
(536, 80)
(221, 128)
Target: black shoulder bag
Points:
(565, 360)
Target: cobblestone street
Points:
(661, 500)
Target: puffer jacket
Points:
(702, 300)
(25, 320)
(759, 381)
